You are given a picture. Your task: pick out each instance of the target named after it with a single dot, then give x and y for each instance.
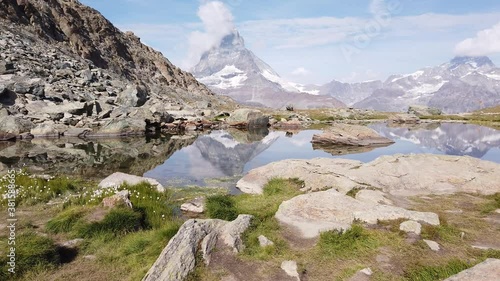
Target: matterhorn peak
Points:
(232, 40)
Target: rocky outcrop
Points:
(316, 212)
(117, 179)
(121, 198)
(350, 135)
(404, 119)
(488, 270)
(178, 259)
(248, 118)
(400, 175)
(64, 64)
(420, 111)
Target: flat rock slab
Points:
(351, 135)
(118, 179)
(316, 212)
(488, 270)
(399, 175)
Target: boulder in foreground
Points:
(178, 259)
(488, 270)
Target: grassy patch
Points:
(492, 205)
(436, 272)
(263, 207)
(33, 253)
(118, 221)
(33, 190)
(348, 243)
(221, 207)
(65, 221)
(443, 232)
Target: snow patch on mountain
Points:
(229, 77)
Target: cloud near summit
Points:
(486, 42)
(218, 22)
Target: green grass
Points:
(492, 205)
(348, 243)
(156, 207)
(118, 221)
(33, 253)
(443, 232)
(221, 207)
(436, 272)
(65, 221)
(32, 190)
(263, 207)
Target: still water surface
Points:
(221, 158)
(224, 155)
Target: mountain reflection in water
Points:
(221, 158)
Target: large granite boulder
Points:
(399, 175)
(316, 212)
(488, 270)
(133, 96)
(250, 118)
(178, 258)
(350, 135)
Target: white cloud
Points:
(217, 22)
(485, 43)
(300, 71)
(378, 7)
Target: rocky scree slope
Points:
(63, 65)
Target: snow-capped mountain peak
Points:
(474, 62)
(231, 69)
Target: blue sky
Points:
(321, 40)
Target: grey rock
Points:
(178, 259)
(316, 212)
(232, 231)
(488, 270)
(133, 96)
(264, 241)
(15, 125)
(290, 268)
(121, 198)
(350, 135)
(411, 227)
(123, 127)
(196, 205)
(117, 179)
(251, 118)
(399, 175)
(46, 130)
(420, 110)
(433, 245)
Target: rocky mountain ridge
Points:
(64, 66)
(464, 84)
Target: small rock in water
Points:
(264, 241)
(411, 227)
(432, 245)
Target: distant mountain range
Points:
(462, 85)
